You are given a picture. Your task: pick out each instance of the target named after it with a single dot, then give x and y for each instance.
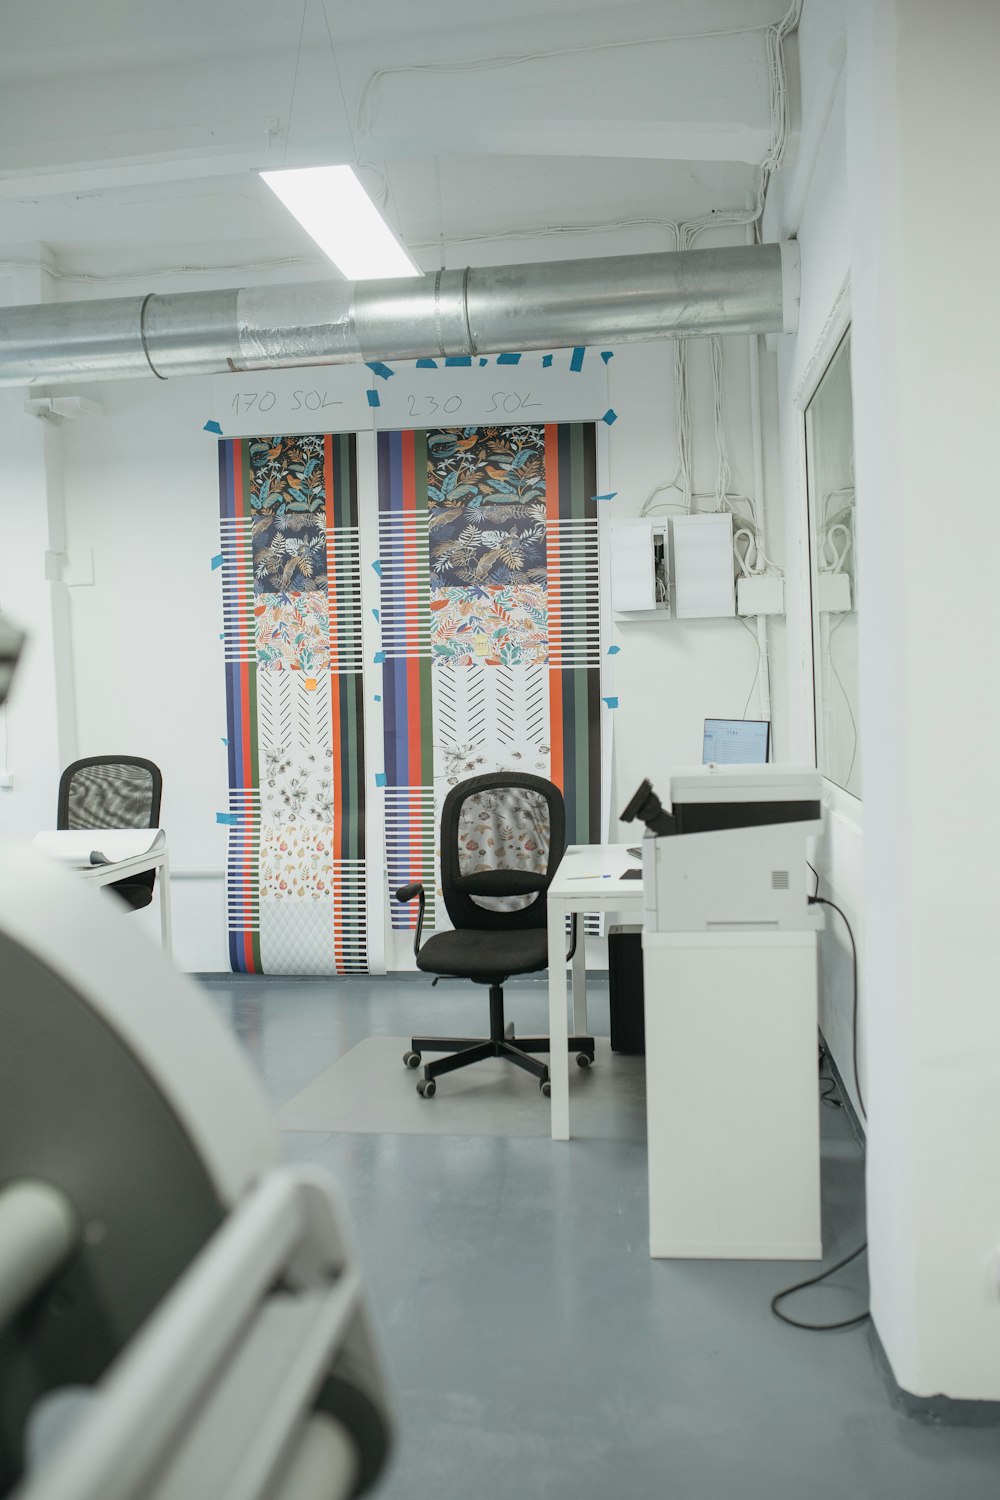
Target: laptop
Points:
(736, 742)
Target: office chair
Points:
(113, 791)
(502, 836)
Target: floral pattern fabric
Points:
(504, 625)
(296, 862)
(286, 474)
(486, 506)
(292, 632)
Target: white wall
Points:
(142, 495)
(891, 144)
(811, 201)
(923, 108)
(37, 730)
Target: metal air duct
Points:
(495, 309)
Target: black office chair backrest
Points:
(110, 791)
(502, 836)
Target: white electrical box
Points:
(760, 595)
(703, 566)
(640, 583)
(833, 593)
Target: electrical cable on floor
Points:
(814, 1281)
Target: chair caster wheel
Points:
(411, 1059)
(584, 1060)
(545, 1087)
(427, 1088)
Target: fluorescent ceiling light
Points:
(332, 206)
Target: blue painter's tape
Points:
(230, 818)
(378, 567)
(380, 778)
(610, 496)
(459, 359)
(483, 361)
(373, 398)
(613, 650)
(508, 359)
(376, 614)
(610, 416)
(378, 697)
(379, 658)
(212, 427)
(224, 740)
(611, 702)
(427, 364)
(546, 361)
(217, 561)
(222, 635)
(378, 368)
(576, 363)
(607, 354)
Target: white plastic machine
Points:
(181, 1317)
(729, 960)
(737, 860)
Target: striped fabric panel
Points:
(342, 602)
(347, 703)
(574, 625)
(242, 881)
(406, 680)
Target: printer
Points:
(730, 853)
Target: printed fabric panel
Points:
(490, 632)
(296, 900)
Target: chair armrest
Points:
(407, 893)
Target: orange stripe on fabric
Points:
(556, 769)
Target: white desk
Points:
(121, 869)
(588, 878)
(71, 848)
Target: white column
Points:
(38, 737)
(923, 113)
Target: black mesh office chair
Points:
(113, 791)
(502, 837)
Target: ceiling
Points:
(131, 130)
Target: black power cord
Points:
(814, 1281)
(816, 900)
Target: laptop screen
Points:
(736, 742)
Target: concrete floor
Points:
(536, 1350)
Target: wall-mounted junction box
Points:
(703, 566)
(760, 595)
(640, 580)
(833, 593)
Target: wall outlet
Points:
(760, 596)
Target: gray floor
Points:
(536, 1350)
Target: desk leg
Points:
(580, 976)
(166, 936)
(558, 1025)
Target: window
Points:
(835, 604)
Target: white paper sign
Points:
(316, 398)
(493, 391)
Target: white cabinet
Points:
(732, 1100)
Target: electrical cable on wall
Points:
(817, 900)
